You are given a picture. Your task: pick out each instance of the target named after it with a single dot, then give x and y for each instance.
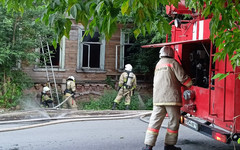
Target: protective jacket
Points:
(168, 79)
(70, 87)
(70, 91)
(45, 97)
(128, 80)
(127, 83)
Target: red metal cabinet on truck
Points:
(214, 102)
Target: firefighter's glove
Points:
(131, 92)
(73, 95)
(119, 88)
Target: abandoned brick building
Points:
(90, 60)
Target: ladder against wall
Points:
(49, 70)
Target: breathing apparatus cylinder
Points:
(129, 80)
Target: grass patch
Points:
(106, 102)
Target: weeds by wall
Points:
(106, 102)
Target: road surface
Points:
(126, 134)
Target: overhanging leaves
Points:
(125, 6)
(220, 76)
(102, 14)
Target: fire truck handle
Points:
(179, 57)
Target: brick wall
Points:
(86, 81)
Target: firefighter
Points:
(127, 84)
(70, 92)
(168, 79)
(46, 97)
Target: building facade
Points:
(91, 60)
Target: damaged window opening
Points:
(91, 51)
(57, 56)
(127, 40)
(54, 53)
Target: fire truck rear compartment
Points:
(195, 61)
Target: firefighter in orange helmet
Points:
(168, 79)
(127, 84)
(70, 91)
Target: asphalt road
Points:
(126, 134)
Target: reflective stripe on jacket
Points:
(168, 79)
(45, 97)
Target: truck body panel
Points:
(216, 101)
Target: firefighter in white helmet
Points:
(127, 84)
(46, 97)
(70, 92)
(168, 79)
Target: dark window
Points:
(54, 53)
(88, 38)
(129, 51)
(91, 51)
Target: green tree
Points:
(19, 35)
(99, 15)
(103, 14)
(144, 60)
(224, 27)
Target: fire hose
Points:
(58, 120)
(62, 102)
(67, 119)
(56, 107)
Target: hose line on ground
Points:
(73, 120)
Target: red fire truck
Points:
(211, 107)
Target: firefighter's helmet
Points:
(46, 89)
(166, 51)
(128, 67)
(71, 78)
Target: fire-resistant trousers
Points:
(156, 119)
(70, 103)
(121, 93)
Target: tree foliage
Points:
(19, 35)
(98, 15)
(102, 15)
(143, 60)
(224, 27)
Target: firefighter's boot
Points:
(127, 107)
(147, 147)
(114, 106)
(171, 147)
